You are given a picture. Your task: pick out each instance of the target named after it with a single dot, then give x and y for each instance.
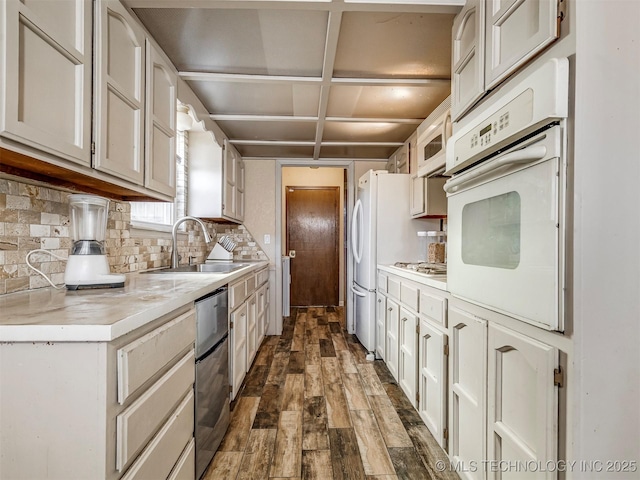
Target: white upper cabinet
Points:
(160, 151)
(516, 30)
(494, 38)
(522, 401)
(467, 63)
(119, 92)
(46, 72)
(233, 207)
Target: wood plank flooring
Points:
(312, 408)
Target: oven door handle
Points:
(526, 155)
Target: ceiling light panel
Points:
(230, 98)
(367, 131)
(386, 101)
(359, 152)
(407, 45)
(242, 41)
(269, 130)
(275, 151)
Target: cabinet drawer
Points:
(262, 276)
(136, 424)
(382, 282)
(160, 456)
(393, 287)
(434, 307)
(185, 469)
(141, 359)
(237, 294)
(251, 284)
(409, 295)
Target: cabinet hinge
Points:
(230, 389)
(562, 10)
(230, 324)
(445, 434)
(558, 377)
(445, 349)
(93, 148)
(417, 396)
(418, 329)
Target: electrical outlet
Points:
(267, 239)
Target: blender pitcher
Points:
(87, 265)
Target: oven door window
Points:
(491, 232)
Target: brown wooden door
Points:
(313, 223)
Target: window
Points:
(162, 215)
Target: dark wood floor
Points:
(312, 407)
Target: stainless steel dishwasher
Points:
(212, 376)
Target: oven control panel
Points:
(528, 103)
(495, 129)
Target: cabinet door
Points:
(402, 159)
(252, 332)
(467, 82)
(119, 92)
(467, 404)
(237, 348)
(435, 198)
(413, 152)
(408, 354)
(46, 99)
(416, 194)
(516, 31)
(160, 151)
(229, 187)
(522, 399)
(381, 309)
(239, 188)
(432, 381)
(392, 318)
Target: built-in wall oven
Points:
(506, 201)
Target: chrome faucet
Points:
(174, 237)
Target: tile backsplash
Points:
(37, 216)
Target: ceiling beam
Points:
(296, 143)
(330, 49)
(410, 6)
(222, 117)
(281, 79)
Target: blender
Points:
(87, 264)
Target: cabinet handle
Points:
(404, 319)
(242, 314)
(379, 301)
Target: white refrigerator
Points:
(382, 232)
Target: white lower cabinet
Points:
(432, 379)
(110, 410)
(467, 402)
(392, 318)
(408, 354)
(504, 402)
(237, 348)
(522, 402)
(381, 307)
(248, 322)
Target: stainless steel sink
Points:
(203, 268)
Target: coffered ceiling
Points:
(309, 79)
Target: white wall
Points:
(260, 219)
(607, 234)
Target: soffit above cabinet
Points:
(309, 79)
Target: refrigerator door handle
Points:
(357, 237)
(357, 292)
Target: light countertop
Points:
(102, 315)
(435, 281)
